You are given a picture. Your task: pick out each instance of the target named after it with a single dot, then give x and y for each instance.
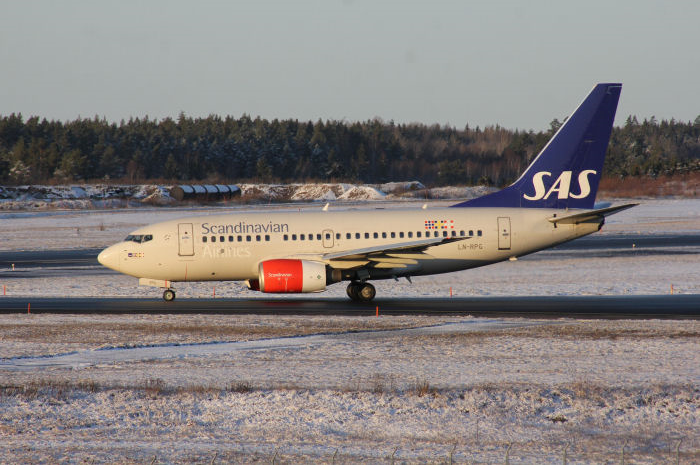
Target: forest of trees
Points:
(216, 149)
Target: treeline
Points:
(216, 149)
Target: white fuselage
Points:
(231, 246)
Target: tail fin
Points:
(567, 171)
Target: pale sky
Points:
(514, 63)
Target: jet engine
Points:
(291, 276)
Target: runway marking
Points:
(112, 355)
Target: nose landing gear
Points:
(361, 292)
(168, 295)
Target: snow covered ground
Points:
(203, 388)
(474, 386)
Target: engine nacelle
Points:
(291, 276)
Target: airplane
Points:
(552, 202)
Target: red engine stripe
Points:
(283, 275)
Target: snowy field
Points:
(414, 389)
(245, 389)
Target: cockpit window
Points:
(139, 238)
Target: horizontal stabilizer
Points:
(589, 215)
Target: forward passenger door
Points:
(185, 241)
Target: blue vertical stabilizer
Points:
(567, 171)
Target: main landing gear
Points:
(168, 295)
(361, 292)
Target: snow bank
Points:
(315, 192)
(157, 195)
(400, 187)
(362, 193)
(40, 198)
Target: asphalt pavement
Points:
(609, 307)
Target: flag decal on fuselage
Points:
(439, 224)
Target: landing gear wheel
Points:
(352, 291)
(366, 292)
(168, 295)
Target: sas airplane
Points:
(293, 252)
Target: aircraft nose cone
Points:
(109, 257)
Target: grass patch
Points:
(240, 387)
(573, 331)
(50, 388)
(422, 388)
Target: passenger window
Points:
(444, 234)
(213, 238)
(294, 237)
(337, 235)
(248, 238)
(376, 235)
(410, 234)
(454, 233)
(222, 239)
(401, 235)
(366, 235)
(257, 238)
(461, 233)
(328, 236)
(204, 238)
(230, 238)
(267, 238)
(302, 237)
(478, 233)
(348, 236)
(311, 237)
(318, 237)
(419, 234)
(357, 235)
(471, 233)
(240, 238)
(383, 235)
(436, 234)
(393, 235)
(285, 237)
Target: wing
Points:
(590, 215)
(398, 255)
(401, 247)
(402, 255)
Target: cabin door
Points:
(503, 233)
(185, 241)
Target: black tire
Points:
(352, 291)
(366, 292)
(168, 295)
